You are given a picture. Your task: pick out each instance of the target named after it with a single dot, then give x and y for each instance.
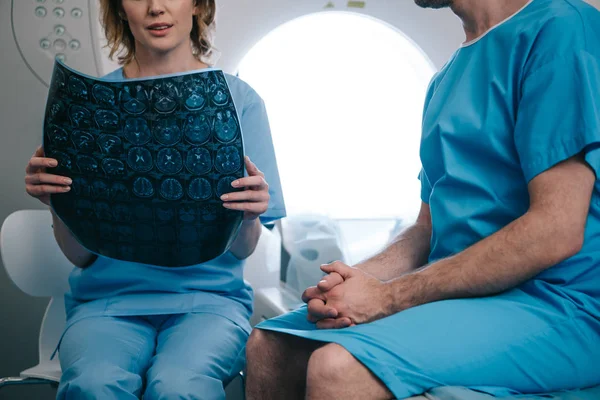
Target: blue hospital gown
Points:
(505, 108)
(112, 288)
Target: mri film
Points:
(149, 159)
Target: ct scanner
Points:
(70, 29)
(33, 32)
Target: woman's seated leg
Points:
(196, 354)
(105, 358)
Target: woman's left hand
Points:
(255, 199)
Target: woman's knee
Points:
(174, 382)
(101, 380)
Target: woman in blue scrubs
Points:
(164, 333)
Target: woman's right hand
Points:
(40, 184)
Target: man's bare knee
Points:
(334, 373)
(276, 365)
(331, 363)
(264, 366)
(263, 344)
(257, 339)
(260, 343)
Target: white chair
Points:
(37, 266)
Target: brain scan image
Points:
(167, 132)
(103, 95)
(78, 88)
(194, 94)
(139, 159)
(107, 120)
(219, 92)
(80, 116)
(112, 166)
(197, 129)
(56, 110)
(134, 99)
(165, 214)
(187, 214)
(169, 161)
(171, 189)
(142, 187)
(228, 159)
(83, 141)
(59, 136)
(200, 189)
(165, 96)
(81, 187)
(137, 131)
(226, 126)
(119, 192)
(198, 161)
(109, 144)
(100, 190)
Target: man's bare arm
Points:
(551, 231)
(408, 251)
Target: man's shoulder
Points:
(559, 29)
(572, 22)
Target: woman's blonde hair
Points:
(120, 39)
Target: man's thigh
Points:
(514, 342)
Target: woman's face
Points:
(160, 25)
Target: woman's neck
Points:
(148, 63)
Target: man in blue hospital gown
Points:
(496, 286)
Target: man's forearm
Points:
(502, 261)
(409, 251)
(247, 239)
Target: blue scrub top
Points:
(117, 288)
(505, 108)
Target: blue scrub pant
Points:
(182, 356)
(527, 340)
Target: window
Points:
(344, 93)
